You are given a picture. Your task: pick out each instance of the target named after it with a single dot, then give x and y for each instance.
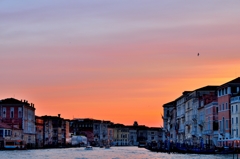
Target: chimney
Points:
(59, 115)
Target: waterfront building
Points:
(154, 134)
(142, 133)
(121, 134)
(225, 92)
(83, 126)
(9, 133)
(39, 131)
(132, 136)
(235, 116)
(20, 115)
(54, 131)
(208, 118)
(180, 118)
(208, 122)
(193, 134)
(173, 125)
(100, 131)
(110, 136)
(166, 118)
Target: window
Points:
(11, 112)
(226, 124)
(236, 108)
(237, 132)
(1, 133)
(232, 121)
(222, 106)
(223, 123)
(19, 112)
(4, 112)
(236, 120)
(232, 108)
(209, 122)
(219, 107)
(226, 105)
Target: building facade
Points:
(225, 92)
(54, 131)
(21, 115)
(235, 116)
(167, 108)
(180, 118)
(39, 131)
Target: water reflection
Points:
(101, 153)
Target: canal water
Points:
(101, 153)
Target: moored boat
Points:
(14, 144)
(88, 148)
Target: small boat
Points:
(14, 144)
(88, 148)
(107, 147)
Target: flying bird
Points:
(198, 54)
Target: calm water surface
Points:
(101, 153)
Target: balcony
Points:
(194, 117)
(201, 123)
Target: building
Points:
(166, 118)
(225, 92)
(173, 128)
(84, 127)
(54, 131)
(20, 115)
(180, 119)
(121, 134)
(110, 136)
(154, 135)
(132, 136)
(208, 122)
(39, 131)
(100, 131)
(193, 104)
(235, 116)
(9, 133)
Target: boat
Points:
(142, 144)
(107, 147)
(14, 144)
(88, 148)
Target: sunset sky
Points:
(115, 60)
